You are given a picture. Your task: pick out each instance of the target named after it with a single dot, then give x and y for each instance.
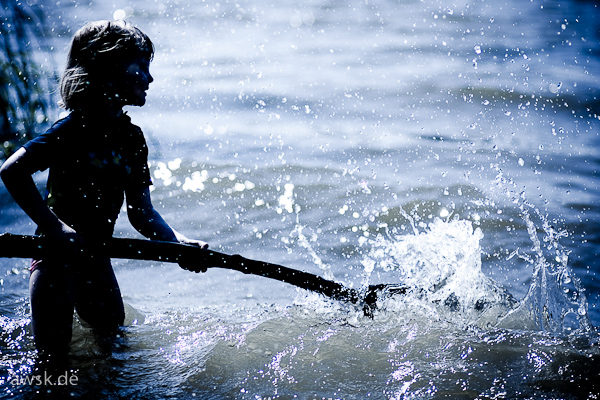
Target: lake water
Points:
(449, 146)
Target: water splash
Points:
(287, 202)
(442, 265)
(305, 243)
(16, 344)
(555, 301)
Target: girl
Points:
(97, 159)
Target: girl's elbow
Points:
(7, 171)
(3, 171)
(6, 166)
(12, 168)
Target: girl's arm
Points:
(16, 174)
(147, 221)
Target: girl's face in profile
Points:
(131, 86)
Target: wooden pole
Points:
(23, 246)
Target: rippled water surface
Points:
(448, 146)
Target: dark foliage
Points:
(27, 81)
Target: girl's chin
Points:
(140, 99)
(135, 101)
(138, 102)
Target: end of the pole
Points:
(379, 292)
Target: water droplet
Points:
(308, 19)
(296, 21)
(119, 15)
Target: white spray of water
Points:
(442, 266)
(555, 301)
(550, 304)
(305, 243)
(287, 203)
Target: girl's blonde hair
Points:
(97, 50)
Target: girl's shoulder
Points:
(60, 130)
(73, 122)
(63, 123)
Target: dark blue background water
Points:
(450, 145)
